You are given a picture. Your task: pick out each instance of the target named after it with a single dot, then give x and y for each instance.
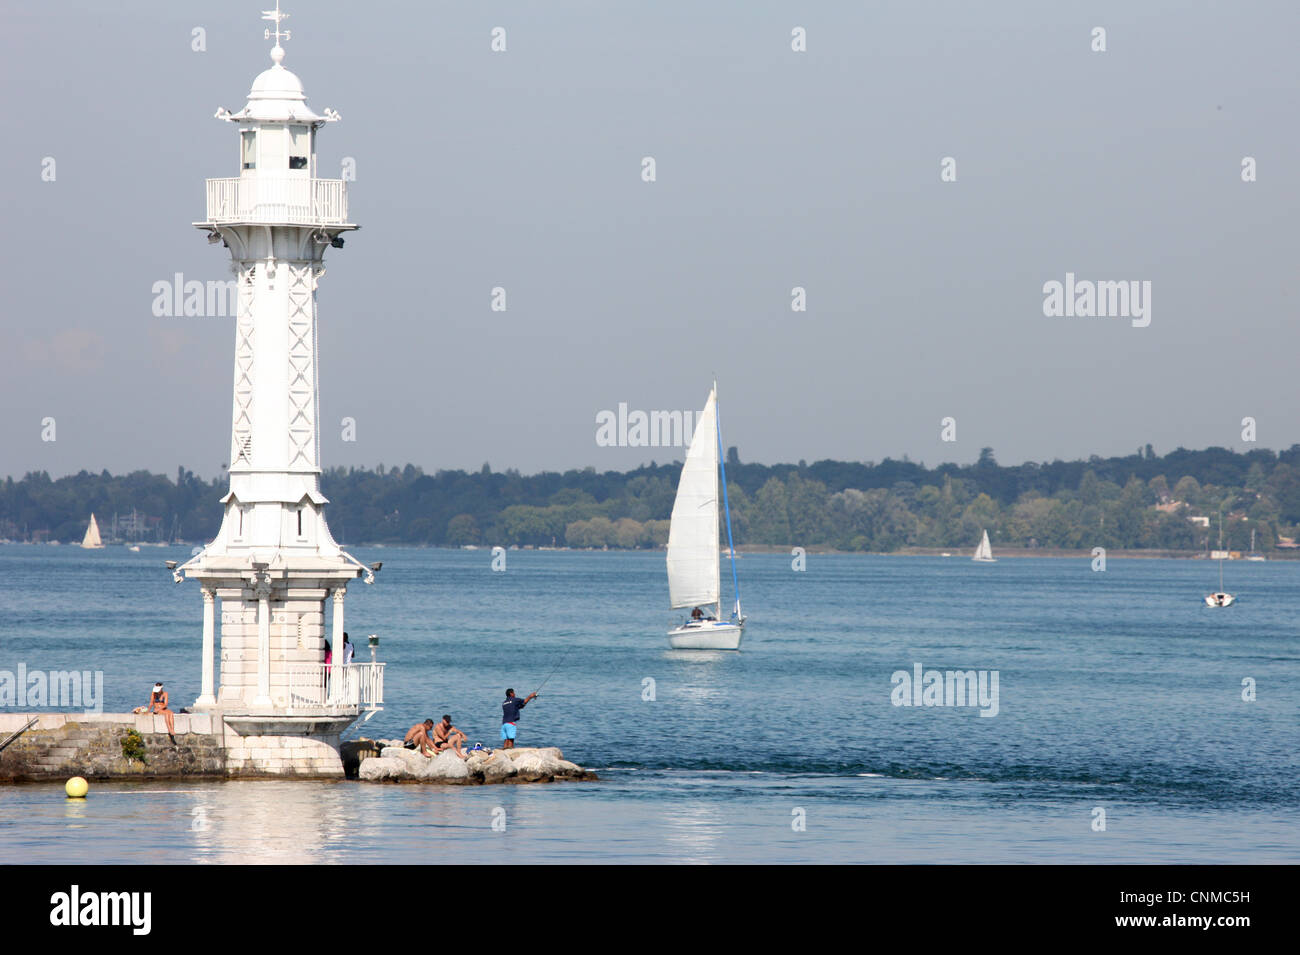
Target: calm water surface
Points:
(1118, 690)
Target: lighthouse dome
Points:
(277, 83)
(277, 95)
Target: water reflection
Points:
(693, 833)
(74, 811)
(260, 821)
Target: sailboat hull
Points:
(707, 635)
(1220, 600)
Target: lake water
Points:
(1117, 691)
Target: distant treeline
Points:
(1140, 501)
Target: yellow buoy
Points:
(76, 788)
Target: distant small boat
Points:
(91, 541)
(984, 553)
(1220, 598)
(134, 548)
(1252, 555)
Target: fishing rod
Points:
(554, 670)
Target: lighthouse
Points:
(274, 576)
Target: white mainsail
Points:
(92, 535)
(983, 551)
(693, 550)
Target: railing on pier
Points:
(345, 689)
(272, 201)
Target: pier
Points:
(103, 746)
(131, 746)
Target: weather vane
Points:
(278, 17)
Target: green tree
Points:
(463, 529)
(770, 515)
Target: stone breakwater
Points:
(519, 765)
(96, 747)
(99, 746)
(131, 746)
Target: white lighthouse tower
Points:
(274, 567)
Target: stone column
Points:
(263, 591)
(336, 645)
(206, 697)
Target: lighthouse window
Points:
(248, 149)
(300, 522)
(298, 138)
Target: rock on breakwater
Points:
(519, 765)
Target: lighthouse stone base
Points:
(283, 745)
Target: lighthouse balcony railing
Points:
(350, 688)
(278, 201)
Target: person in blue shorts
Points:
(510, 716)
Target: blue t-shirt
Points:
(510, 709)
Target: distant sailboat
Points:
(1253, 555)
(1220, 598)
(91, 540)
(984, 553)
(694, 550)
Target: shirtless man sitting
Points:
(446, 736)
(417, 737)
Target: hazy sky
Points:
(775, 169)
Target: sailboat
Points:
(694, 551)
(1252, 555)
(1220, 598)
(91, 540)
(984, 553)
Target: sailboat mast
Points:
(718, 564)
(717, 429)
(726, 506)
(1220, 550)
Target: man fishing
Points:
(510, 716)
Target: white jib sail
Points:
(92, 535)
(693, 550)
(984, 551)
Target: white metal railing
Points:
(291, 201)
(351, 688)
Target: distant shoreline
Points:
(999, 553)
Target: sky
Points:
(775, 169)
